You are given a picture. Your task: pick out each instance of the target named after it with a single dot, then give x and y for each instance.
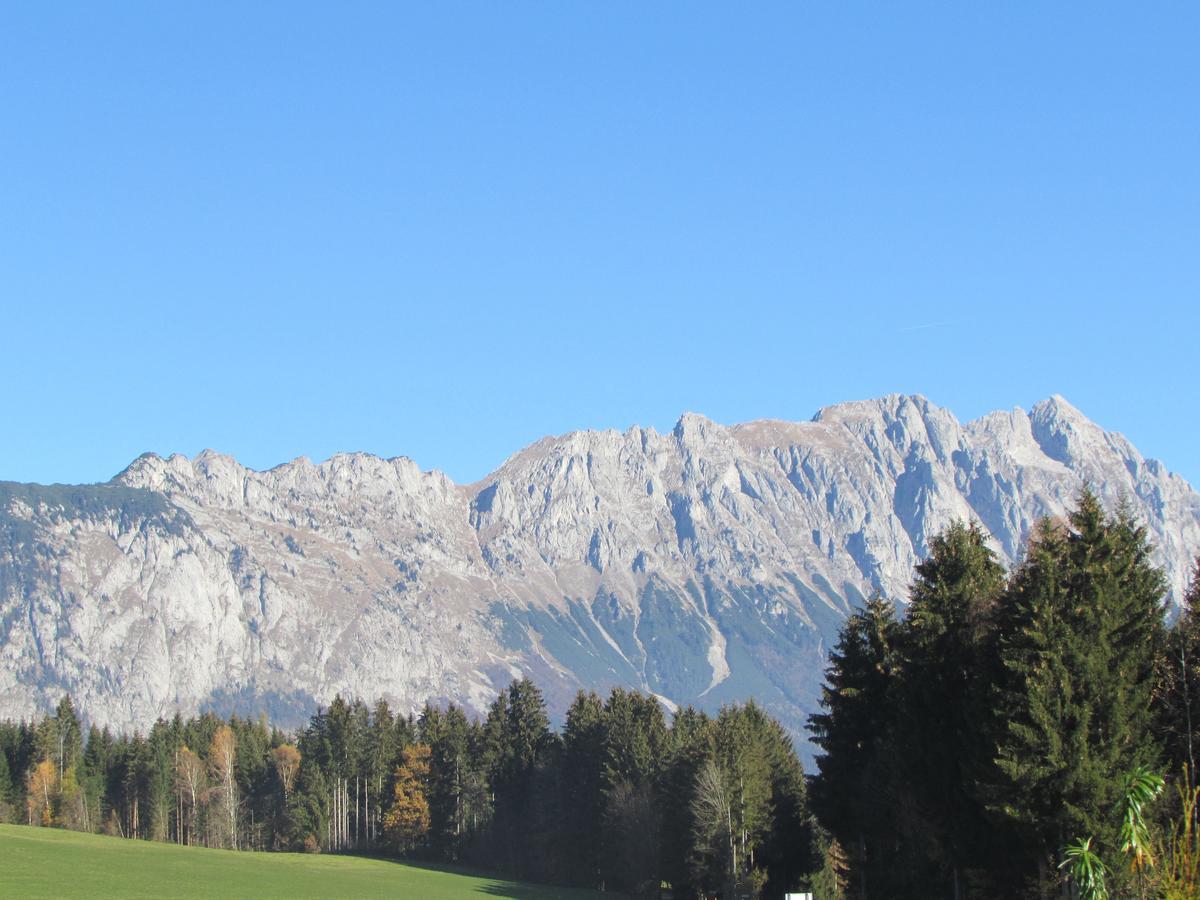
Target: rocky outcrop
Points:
(707, 564)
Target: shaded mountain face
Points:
(706, 565)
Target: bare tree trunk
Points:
(1187, 708)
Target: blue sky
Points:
(444, 230)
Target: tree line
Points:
(1004, 736)
(622, 798)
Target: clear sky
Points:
(443, 230)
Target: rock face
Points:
(707, 565)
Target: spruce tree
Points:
(785, 850)
(943, 694)
(518, 731)
(1079, 635)
(449, 770)
(1177, 707)
(691, 743)
(582, 787)
(851, 791)
(635, 737)
(5, 786)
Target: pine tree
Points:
(449, 778)
(634, 749)
(160, 781)
(583, 801)
(692, 742)
(1079, 635)
(5, 785)
(946, 673)
(60, 736)
(742, 756)
(517, 740)
(851, 790)
(788, 848)
(132, 770)
(383, 751)
(307, 820)
(1177, 706)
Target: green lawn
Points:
(47, 862)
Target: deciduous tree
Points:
(407, 821)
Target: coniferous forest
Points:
(1028, 733)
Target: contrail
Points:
(923, 327)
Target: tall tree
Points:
(947, 670)
(6, 785)
(634, 751)
(222, 761)
(407, 821)
(692, 743)
(42, 793)
(714, 833)
(1178, 695)
(286, 761)
(518, 736)
(449, 780)
(582, 785)
(1079, 635)
(850, 791)
(190, 782)
(60, 736)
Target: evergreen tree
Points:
(133, 770)
(851, 791)
(518, 737)
(583, 798)
(946, 671)
(307, 820)
(160, 782)
(1079, 635)
(692, 743)
(382, 751)
(449, 778)
(5, 786)
(788, 849)
(60, 737)
(1178, 694)
(634, 749)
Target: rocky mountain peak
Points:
(707, 564)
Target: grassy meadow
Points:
(49, 862)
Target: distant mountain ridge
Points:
(707, 564)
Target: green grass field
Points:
(47, 862)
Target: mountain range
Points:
(708, 564)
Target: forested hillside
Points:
(622, 798)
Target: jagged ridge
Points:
(708, 564)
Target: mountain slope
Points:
(707, 564)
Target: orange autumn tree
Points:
(222, 760)
(286, 759)
(407, 822)
(43, 790)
